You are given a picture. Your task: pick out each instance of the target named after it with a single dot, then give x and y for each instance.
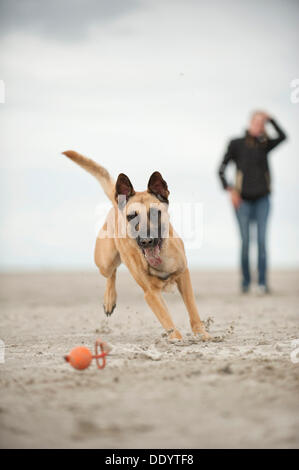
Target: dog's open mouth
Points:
(152, 254)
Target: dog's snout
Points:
(146, 242)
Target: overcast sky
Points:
(139, 85)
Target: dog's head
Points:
(145, 214)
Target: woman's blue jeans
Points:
(256, 212)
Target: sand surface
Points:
(239, 391)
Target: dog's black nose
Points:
(146, 242)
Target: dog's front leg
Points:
(185, 287)
(155, 300)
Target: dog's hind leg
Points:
(186, 290)
(107, 260)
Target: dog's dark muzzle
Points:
(147, 242)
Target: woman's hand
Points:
(235, 197)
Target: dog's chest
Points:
(160, 274)
(167, 269)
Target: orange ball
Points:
(80, 357)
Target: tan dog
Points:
(137, 232)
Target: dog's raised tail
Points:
(96, 170)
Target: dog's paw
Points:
(206, 336)
(108, 309)
(199, 330)
(174, 335)
(109, 303)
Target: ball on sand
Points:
(79, 357)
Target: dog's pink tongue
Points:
(153, 255)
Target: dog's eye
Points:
(131, 216)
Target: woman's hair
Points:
(255, 112)
(262, 139)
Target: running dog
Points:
(138, 233)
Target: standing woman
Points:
(250, 194)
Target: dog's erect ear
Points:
(123, 187)
(158, 187)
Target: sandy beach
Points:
(240, 390)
